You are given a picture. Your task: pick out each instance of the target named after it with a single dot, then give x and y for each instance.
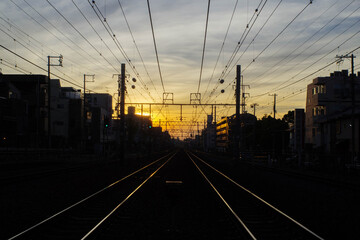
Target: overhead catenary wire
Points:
(137, 48)
(100, 54)
(14, 66)
(111, 33)
(222, 46)
(156, 51)
(256, 35)
(27, 48)
(41, 68)
(24, 34)
(281, 32)
(274, 68)
(323, 46)
(313, 73)
(244, 35)
(204, 44)
(301, 79)
(277, 88)
(355, 24)
(52, 25)
(261, 28)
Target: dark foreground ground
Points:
(331, 210)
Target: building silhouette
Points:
(329, 112)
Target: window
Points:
(319, 111)
(321, 89)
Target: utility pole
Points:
(181, 113)
(274, 109)
(352, 105)
(244, 94)
(84, 106)
(215, 114)
(254, 107)
(122, 113)
(60, 58)
(238, 125)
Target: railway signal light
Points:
(106, 122)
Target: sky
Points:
(281, 45)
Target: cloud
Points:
(179, 30)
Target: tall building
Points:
(330, 111)
(223, 134)
(226, 129)
(23, 110)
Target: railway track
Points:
(179, 196)
(260, 219)
(74, 221)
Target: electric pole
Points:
(274, 109)
(352, 104)
(254, 107)
(60, 58)
(84, 106)
(122, 113)
(244, 96)
(238, 125)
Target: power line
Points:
(156, 52)
(272, 41)
(300, 34)
(14, 66)
(64, 35)
(252, 41)
(240, 42)
(13, 25)
(316, 71)
(92, 27)
(313, 53)
(15, 40)
(45, 70)
(244, 35)
(109, 30)
(203, 51)
(222, 45)
(82, 35)
(137, 48)
(324, 55)
(261, 28)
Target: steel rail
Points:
(123, 201)
(260, 199)
(85, 199)
(227, 205)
